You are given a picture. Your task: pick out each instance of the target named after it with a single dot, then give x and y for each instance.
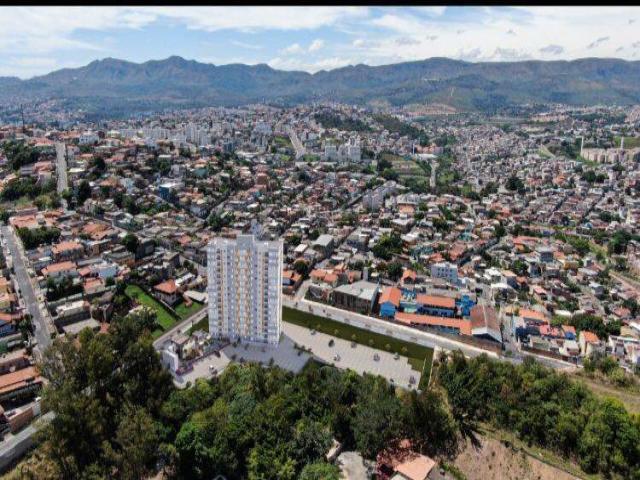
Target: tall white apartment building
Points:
(245, 289)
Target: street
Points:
(61, 167)
(297, 144)
(41, 328)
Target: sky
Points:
(38, 40)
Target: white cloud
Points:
(249, 46)
(552, 49)
(293, 49)
(290, 63)
(259, 18)
(316, 45)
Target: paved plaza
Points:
(359, 358)
(341, 354)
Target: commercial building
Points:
(245, 289)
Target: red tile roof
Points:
(169, 287)
(436, 301)
(414, 319)
(390, 294)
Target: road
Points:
(432, 179)
(61, 165)
(29, 293)
(297, 144)
(628, 282)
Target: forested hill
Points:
(114, 86)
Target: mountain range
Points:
(117, 87)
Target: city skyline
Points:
(35, 41)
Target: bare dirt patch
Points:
(495, 461)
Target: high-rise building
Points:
(245, 289)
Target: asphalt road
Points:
(41, 332)
(61, 167)
(297, 144)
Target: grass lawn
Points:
(165, 319)
(629, 142)
(588, 163)
(419, 356)
(630, 397)
(201, 325)
(282, 141)
(185, 312)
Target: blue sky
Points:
(37, 40)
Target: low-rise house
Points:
(72, 312)
(389, 301)
(67, 251)
(436, 305)
(445, 270)
(589, 343)
(21, 383)
(167, 291)
(451, 326)
(359, 296)
(485, 323)
(58, 271)
(291, 280)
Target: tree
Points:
(97, 389)
(268, 463)
(390, 174)
(514, 183)
(387, 246)
(301, 267)
(610, 442)
(83, 193)
(20, 154)
(384, 164)
(4, 216)
(320, 471)
(311, 440)
(134, 452)
(394, 270)
(377, 420)
(131, 242)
